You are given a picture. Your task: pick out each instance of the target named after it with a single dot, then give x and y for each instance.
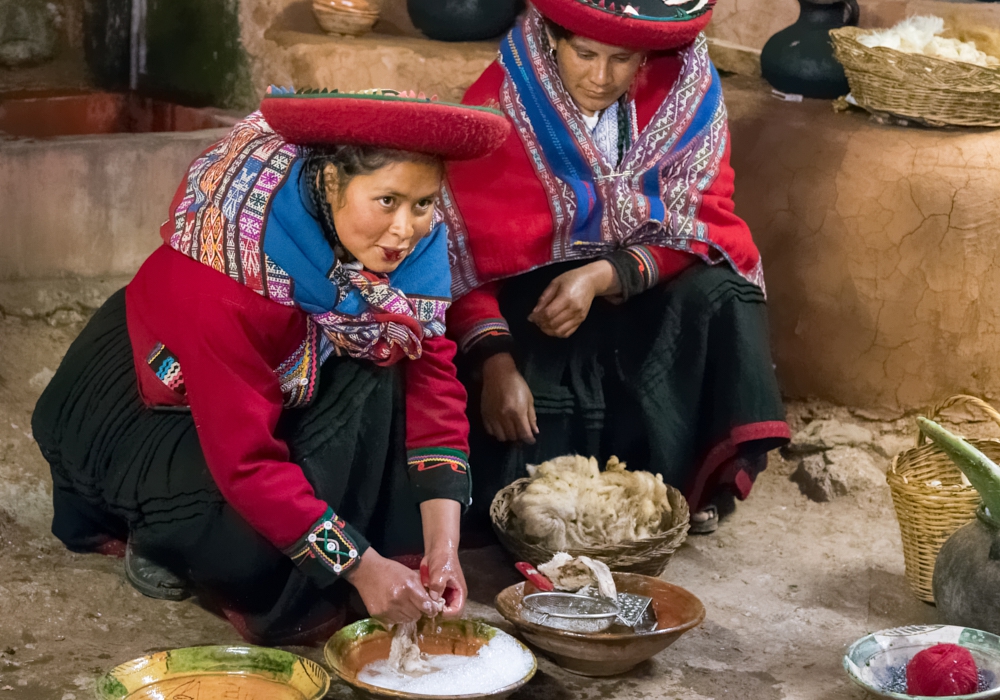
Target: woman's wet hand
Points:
(445, 581)
(390, 591)
(566, 302)
(508, 408)
(440, 570)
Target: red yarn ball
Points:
(942, 670)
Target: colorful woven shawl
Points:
(244, 213)
(653, 197)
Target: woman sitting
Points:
(608, 300)
(244, 411)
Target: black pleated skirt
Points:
(121, 469)
(678, 381)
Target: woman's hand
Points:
(565, 303)
(508, 408)
(440, 569)
(390, 591)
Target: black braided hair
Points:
(624, 129)
(350, 161)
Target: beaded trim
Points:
(328, 543)
(647, 265)
(491, 327)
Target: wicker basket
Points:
(929, 514)
(934, 91)
(649, 556)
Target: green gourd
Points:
(982, 472)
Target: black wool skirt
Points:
(677, 380)
(121, 469)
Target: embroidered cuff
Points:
(440, 473)
(487, 338)
(636, 269)
(328, 550)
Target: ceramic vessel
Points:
(463, 20)
(967, 575)
(216, 672)
(873, 660)
(618, 649)
(799, 59)
(345, 17)
(357, 645)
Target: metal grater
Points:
(631, 608)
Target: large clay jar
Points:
(967, 576)
(799, 59)
(463, 20)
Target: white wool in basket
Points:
(921, 35)
(571, 503)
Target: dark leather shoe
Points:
(151, 579)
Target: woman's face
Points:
(595, 74)
(380, 217)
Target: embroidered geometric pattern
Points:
(490, 327)
(429, 460)
(439, 472)
(167, 368)
(652, 197)
(221, 222)
(327, 543)
(298, 373)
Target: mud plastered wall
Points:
(881, 248)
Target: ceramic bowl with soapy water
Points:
(448, 659)
(619, 648)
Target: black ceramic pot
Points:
(463, 20)
(799, 59)
(967, 576)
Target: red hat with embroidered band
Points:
(386, 119)
(646, 25)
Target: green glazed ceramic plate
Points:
(211, 673)
(871, 661)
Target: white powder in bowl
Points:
(498, 664)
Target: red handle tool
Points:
(541, 582)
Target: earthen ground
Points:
(787, 583)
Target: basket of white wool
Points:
(631, 521)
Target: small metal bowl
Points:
(570, 611)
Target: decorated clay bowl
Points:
(873, 661)
(619, 648)
(356, 646)
(345, 17)
(204, 673)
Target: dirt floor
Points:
(788, 583)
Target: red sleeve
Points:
(435, 399)
(228, 340)
(670, 262)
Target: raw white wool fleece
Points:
(922, 35)
(571, 503)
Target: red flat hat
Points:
(646, 25)
(386, 119)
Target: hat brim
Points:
(449, 131)
(589, 20)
